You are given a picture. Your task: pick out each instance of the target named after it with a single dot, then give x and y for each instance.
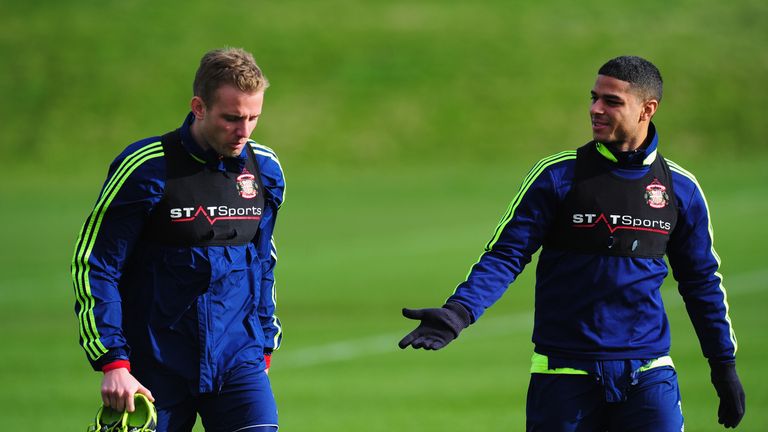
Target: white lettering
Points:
(610, 219)
(222, 210)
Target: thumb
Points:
(416, 314)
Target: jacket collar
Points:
(643, 156)
(209, 157)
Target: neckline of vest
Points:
(605, 152)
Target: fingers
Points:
(145, 391)
(428, 343)
(117, 400)
(732, 407)
(107, 401)
(129, 405)
(404, 342)
(729, 416)
(435, 344)
(416, 339)
(421, 343)
(419, 339)
(417, 314)
(118, 388)
(432, 343)
(430, 334)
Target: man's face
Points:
(619, 116)
(228, 121)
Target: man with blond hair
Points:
(173, 269)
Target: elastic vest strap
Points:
(659, 362)
(540, 364)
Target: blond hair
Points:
(232, 66)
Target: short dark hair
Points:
(643, 76)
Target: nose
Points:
(243, 129)
(596, 107)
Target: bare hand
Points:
(118, 387)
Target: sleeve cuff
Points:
(117, 364)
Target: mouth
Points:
(598, 125)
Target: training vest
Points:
(605, 214)
(204, 207)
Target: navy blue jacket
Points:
(197, 311)
(591, 306)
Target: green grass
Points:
(404, 128)
(355, 247)
(358, 82)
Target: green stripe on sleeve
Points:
(680, 170)
(527, 182)
(532, 175)
(80, 267)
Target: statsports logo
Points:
(656, 194)
(214, 213)
(615, 222)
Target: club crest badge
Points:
(246, 185)
(656, 194)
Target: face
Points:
(619, 116)
(226, 124)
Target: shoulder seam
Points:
(260, 150)
(532, 175)
(680, 170)
(256, 145)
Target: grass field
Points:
(404, 129)
(355, 247)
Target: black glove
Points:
(438, 326)
(730, 392)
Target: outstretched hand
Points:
(438, 326)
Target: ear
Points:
(198, 107)
(649, 109)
